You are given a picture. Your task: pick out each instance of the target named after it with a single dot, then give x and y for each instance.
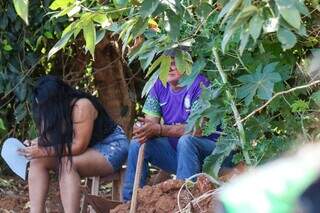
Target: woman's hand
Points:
(31, 142)
(33, 151)
(146, 130)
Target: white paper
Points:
(16, 162)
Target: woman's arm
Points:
(83, 116)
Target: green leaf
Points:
(60, 44)
(74, 10)
(148, 7)
(21, 91)
(164, 69)
(289, 12)
(316, 97)
(7, 47)
(146, 60)
(243, 16)
(154, 65)
(89, 32)
(255, 26)
(302, 8)
(21, 7)
(120, 3)
(173, 25)
(287, 38)
(180, 63)
(226, 37)
(228, 9)
(271, 25)
(20, 112)
(300, 106)
(197, 67)
(147, 87)
(3, 21)
(203, 10)
(102, 19)
(139, 27)
(68, 29)
(213, 162)
(244, 37)
(100, 36)
(2, 127)
(61, 4)
(260, 83)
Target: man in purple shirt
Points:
(167, 145)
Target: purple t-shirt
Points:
(173, 106)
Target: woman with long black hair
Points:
(76, 137)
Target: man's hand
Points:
(145, 129)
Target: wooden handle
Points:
(137, 178)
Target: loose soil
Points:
(162, 198)
(158, 198)
(14, 197)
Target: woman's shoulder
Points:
(84, 103)
(84, 107)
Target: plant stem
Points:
(233, 107)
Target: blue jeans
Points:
(114, 148)
(184, 162)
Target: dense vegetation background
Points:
(258, 55)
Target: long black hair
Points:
(52, 105)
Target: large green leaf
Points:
(148, 7)
(197, 67)
(173, 25)
(302, 8)
(255, 26)
(289, 12)
(164, 69)
(228, 9)
(260, 83)
(287, 38)
(183, 62)
(226, 37)
(61, 4)
(244, 37)
(139, 27)
(89, 32)
(21, 7)
(60, 44)
(147, 87)
(203, 108)
(154, 65)
(213, 162)
(145, 60)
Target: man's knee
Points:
(185, 142)
(134, 146)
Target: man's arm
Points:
(151, 127)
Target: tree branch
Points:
(273, 97)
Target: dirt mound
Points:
(163, 197)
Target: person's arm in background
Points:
(83, 117)
(151, 127)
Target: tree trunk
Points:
(110, 81)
